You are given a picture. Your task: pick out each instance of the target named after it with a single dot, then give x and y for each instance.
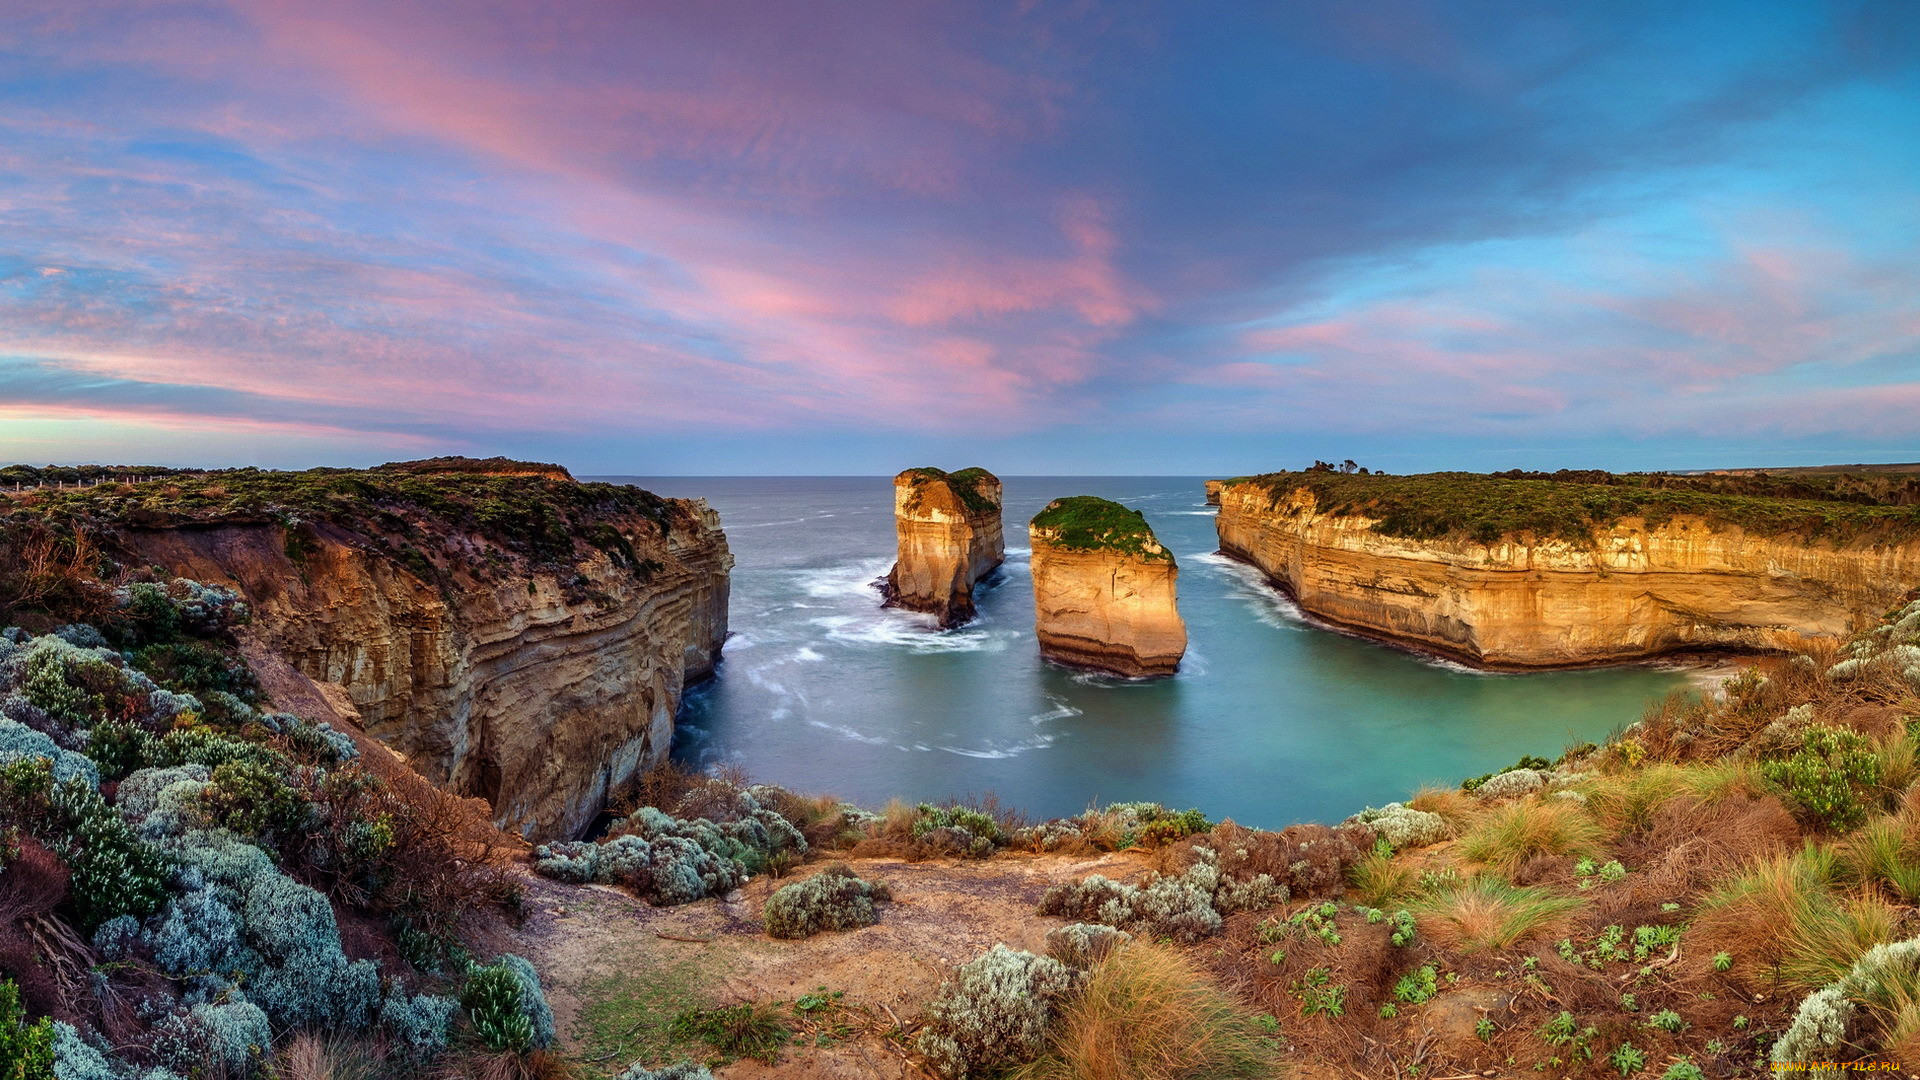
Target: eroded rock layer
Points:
(1104, 590)
(537, 682)
(1629, 591)
(950, 539)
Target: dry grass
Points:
(1510, 835)
(1381, 879)
(1147, 1013)
(1486, 914)
(308, 1056)
(1884, 854)
(505, 1065)
(1783, 913)
(1459, 808)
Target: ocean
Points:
(1270, 721)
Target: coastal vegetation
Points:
(196, 881)
(976, 488)
(1571, 504)
(1090, 523)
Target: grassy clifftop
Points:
(533, 515)
(1570, 504)
(1090, 523)
(974, 487)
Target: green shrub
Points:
(506, 1005)
(834, 899)
(492, 1000)
(26, 1049)
(1627, 1058)
(114, 871)
(995, 1012)
(253, 800)
(1828, 777)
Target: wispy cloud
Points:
(503, 222)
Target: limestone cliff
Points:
(1631, 587)
(1104, 589)
(1213, 492)
(950, 538)
(515, 636)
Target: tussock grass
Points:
(1487, 914)
(307, 1056)
(1627, 802)
(1722, 780)
(1459, 808)
(1884, 854)
(1381, 879)
(1147, 1013)
(1510, 835)
(1784, 912)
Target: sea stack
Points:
(950, 538)
(1104, 589)
(1213, 491)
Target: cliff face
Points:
(1213, 491)
(950, 538)
(1634, 591)
(1104, 599)
(534, 683)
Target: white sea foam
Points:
(1248, 585)
(893, 629)
(807, 655)
(996, 753)
(850, 733)
(1191, 513)
(1060, 711)
(1276, 609)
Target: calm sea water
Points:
(1271, 720)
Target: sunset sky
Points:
(715, 237)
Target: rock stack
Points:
(1104, 589)
(950, 539)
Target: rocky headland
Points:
(1104, 589)
(515, 635)
(1531, 571)
(950, 539)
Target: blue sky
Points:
(741, 238)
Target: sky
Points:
(717, 237)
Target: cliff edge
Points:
(1104, 589)
(517, 636)
(950, 539)
(1532, 571)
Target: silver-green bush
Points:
(834, 899)
(995, 1012)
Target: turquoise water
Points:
(1271, 719)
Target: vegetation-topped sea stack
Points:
(1523, 570)
(1104, 589)
(950, 538)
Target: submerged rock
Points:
(950, 539)
(1104, 589)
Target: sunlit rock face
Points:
(537, 687)
(1629, 592)
(950, 539)
(1104, 590)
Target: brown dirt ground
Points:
(944, 913)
